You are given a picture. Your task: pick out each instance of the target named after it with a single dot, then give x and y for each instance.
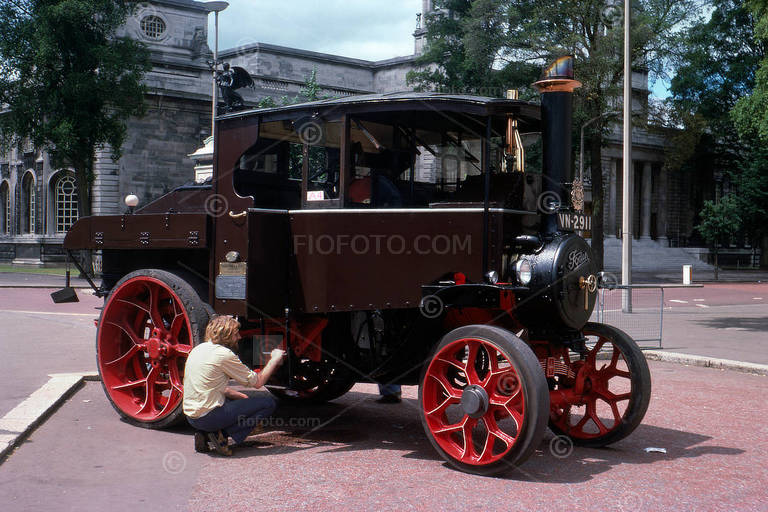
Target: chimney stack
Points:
(556, 87)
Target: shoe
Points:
(201, 443)
(220, 444)
(258, 429)
(389, 399)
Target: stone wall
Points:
(155, 152)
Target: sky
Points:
(362, 29)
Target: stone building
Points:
(38, 202)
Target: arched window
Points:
(153, 26)
(66, 202)
(5, 209)
(28, 203)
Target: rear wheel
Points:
(150, 322)
(316, 383)
(608, 392)
(484, 399)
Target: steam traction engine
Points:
(385, 238)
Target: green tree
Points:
(491, 45)
(751, 112)
(719, 220)
(67, 82)
(715, 68)
(718, 66)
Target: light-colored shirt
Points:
(206, 375)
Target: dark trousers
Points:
(236, 417)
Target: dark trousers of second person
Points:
(237, 418)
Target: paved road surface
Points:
(39, 338)
(375, 457)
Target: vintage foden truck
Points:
(395, 239)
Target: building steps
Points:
(650, 256)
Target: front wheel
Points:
(484, 399)
(608, 391)
(150, 322)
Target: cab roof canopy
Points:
(427, 110)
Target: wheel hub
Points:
(154, 346)
(474, 401)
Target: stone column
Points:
(105, 191)
(662, 208)
(645, 202)
(610, 207)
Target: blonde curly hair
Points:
(222, 330)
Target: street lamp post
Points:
(626, 220)
(215, 7)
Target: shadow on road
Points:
(356, 423)
(741, 323)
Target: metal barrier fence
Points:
(644, 320)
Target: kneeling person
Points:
(213, 409)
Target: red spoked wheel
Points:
(150, 322)
(484, 399)
(607, 392)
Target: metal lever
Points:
(589, 285)
(238, 215)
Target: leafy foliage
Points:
(68, 82)
(751, 112)
(719, 219)
(716, 72)
(487, 46)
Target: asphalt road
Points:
(369, 456)
(374, 457)
(39, 338)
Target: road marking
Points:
(46, 313)
(679, 301)
(757, 298)
(25, 417)
(699, 300)
(701, 306)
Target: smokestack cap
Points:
(558, 76)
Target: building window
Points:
(28, 201)
(152, 26)
(5, 209)
(66, 203)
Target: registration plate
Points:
(571, 221)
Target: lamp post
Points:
(216, 8)
(626, 220)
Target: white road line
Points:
(701, 306)
(26, 416)
(93, 315)
(757, 298)
(699, 300)
(679, 301)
